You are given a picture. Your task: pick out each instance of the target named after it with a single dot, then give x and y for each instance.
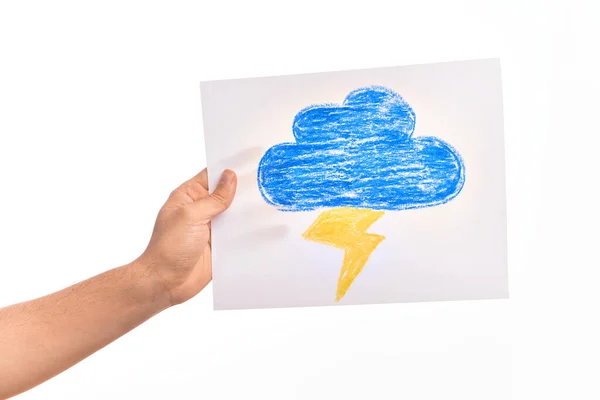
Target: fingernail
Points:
(227, 177)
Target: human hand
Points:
(178, 256)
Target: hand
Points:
(178, 256)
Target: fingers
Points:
(202, 179)
(192, 190)
(197, 187)
(219, 200)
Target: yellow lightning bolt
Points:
(345, 228)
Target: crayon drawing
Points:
(369, 186)
(357, 160)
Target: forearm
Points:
(43, 337)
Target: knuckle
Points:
(186, 213)
(175, 193)
(219, 198)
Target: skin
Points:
(43, 337)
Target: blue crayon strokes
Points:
(360, 154)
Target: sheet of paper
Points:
(368, 186)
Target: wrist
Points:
(148, 286)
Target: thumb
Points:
(219, 200)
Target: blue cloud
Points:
(360, 154)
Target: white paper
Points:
(452, 251)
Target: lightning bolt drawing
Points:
(354, 161)
(345, 228)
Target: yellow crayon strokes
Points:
(345, 228)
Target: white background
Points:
(454, 251)
(100, 119)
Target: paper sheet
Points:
(369, 186)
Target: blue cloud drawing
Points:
(360, 154)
